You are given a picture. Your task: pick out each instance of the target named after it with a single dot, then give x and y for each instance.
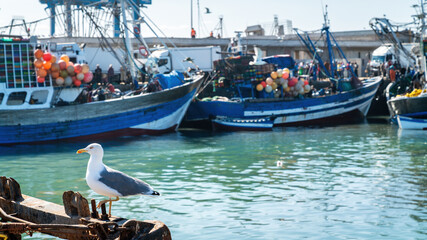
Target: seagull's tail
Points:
(155, 193)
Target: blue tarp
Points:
(282, 61)
(170, 80)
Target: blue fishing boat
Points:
(315, 110)
(31, 111)
(250, 90)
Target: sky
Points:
(173, 17)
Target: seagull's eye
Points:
(91, 147)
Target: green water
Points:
(365, 181)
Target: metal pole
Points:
(127, 40)
(68, 19)
(220, 24)
(191, 9)
(52, 19)
(198, 17)
(423, 57)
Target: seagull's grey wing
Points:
(124, 184)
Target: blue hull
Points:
(288, 111)
(152, 113)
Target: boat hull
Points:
(407, 105)
(289, 112)
(152, 113)
(411, 123)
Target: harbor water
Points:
(362, 181)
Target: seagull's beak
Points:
(81, 151)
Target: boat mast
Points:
(423, 24)
(127, 40)
(328, 41)
(191, 3)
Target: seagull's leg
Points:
(109, 208)
(111, 203)
(102, 202)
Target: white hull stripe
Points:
(173, 119)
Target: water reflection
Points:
(353, 181)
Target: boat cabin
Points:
(19, 88)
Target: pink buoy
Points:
(62, 64)
(88, 77)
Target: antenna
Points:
(325, 15)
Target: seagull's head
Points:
(93, 149)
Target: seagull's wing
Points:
(124, 184)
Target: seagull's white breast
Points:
(92, 180)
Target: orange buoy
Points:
(54, 67)
(41, 73)
(54, 74)
(38, 53)
(38, 63)
(47, 65)
(77, 68)
(77, 83)
(273, 75)
(65, 58)
(40, 79)
(53, 59)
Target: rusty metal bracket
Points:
(10, 189)
(75, 204)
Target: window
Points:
(1, 97)
(16, 98)
(39, 97)
(162, 62)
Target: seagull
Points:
(109, 182)
(207, 10)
